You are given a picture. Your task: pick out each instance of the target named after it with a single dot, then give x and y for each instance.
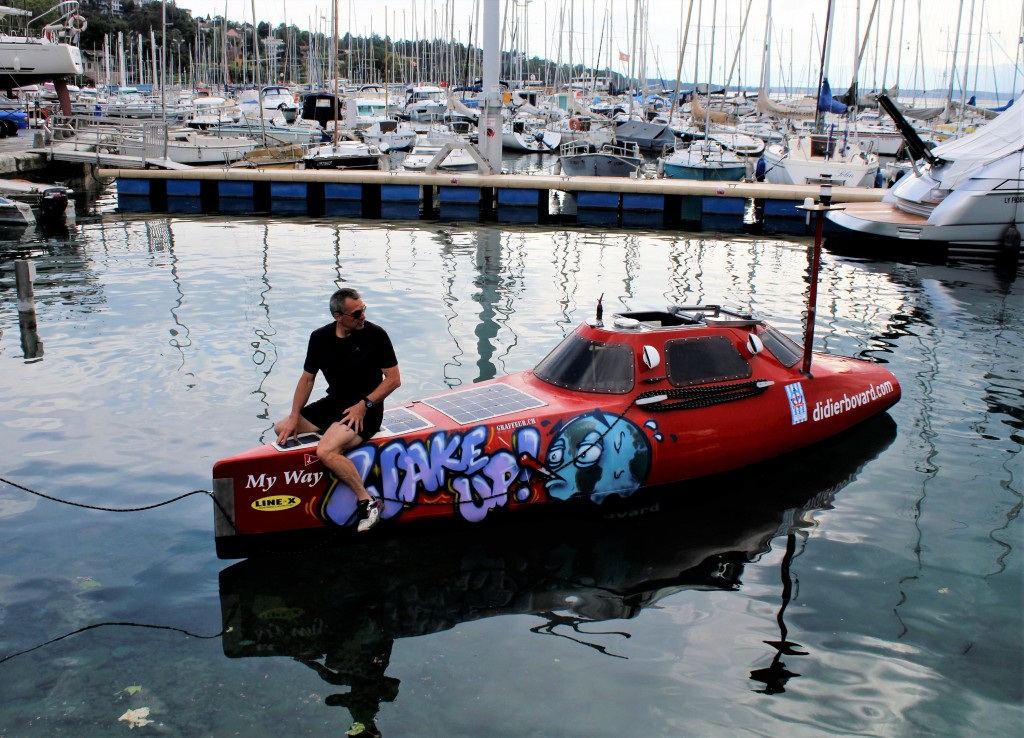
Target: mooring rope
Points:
(101, 507)
(94, 626)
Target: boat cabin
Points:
(423, 94)
(689, 340)
(591, 83)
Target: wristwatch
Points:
(368, 402)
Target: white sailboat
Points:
(816, 158)
(48, 55)
(704, 159)
(832, 155)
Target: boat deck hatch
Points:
(483, 402)
(660, 319)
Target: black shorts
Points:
(327, 411)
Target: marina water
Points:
(870, 586)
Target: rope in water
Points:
(94, 626)
(101, 507)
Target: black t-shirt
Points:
(353, 365)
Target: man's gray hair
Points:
(339, 297)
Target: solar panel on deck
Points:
(401, 420)
(483, 402)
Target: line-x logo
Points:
(275, 502)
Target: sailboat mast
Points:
(967, 56)
(334, 70)
(696, 50)
(860, 51)
(632, 56)
(679, 67)
(766, 52)
(952, 67)
(256, 76)
(711, 71)
(899, 55)
(739, 44)
(224, 47)
(163, 69)
(823, 71)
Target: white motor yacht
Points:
(965, 191)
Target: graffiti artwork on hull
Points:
(591, 455)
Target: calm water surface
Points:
(869, 587)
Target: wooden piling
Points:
(24, 274)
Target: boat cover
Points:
(699, 114)
(993, 141)
(649, 136)
(800, 110)
(827, 103)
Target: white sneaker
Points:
(369, 514)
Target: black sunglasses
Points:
(356, 314)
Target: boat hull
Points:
(563, 449)
(733, 173)
(206, 151)
(540, 141)
(797, 165)
(272, 134)
(976, 213)
(603, 569)
(27, 61)
(341, 162)
(457, 160)
(598, 165)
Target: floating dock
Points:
(501, 198)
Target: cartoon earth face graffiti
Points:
(597, 454)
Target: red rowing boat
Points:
(637, 402)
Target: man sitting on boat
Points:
(358, 361)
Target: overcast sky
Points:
(928, 27)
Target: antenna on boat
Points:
(600, 311)
(823, 205)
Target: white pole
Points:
(490, 130)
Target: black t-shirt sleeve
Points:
(386, 358)
(315, 349)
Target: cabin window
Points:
(691, 361)
(823, 146)
(585, 365)
(782, 347)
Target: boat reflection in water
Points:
(340, 616)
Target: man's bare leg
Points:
(338, 439)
